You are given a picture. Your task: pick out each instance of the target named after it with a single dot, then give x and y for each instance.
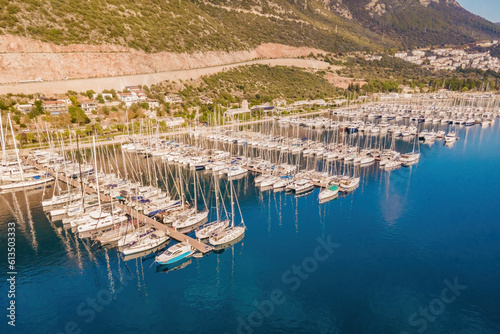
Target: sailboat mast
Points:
(232, 203)
(217, 197)
(181, 187)
(195, 198)
(80, 165)
(15, 149)
(3, 141)
(96, 174)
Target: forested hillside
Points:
(195, 25)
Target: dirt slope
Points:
(27, 59)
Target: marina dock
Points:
(172, 233)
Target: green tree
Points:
(78, 115)
(37, 110)
(89, 130)
(74, 100)
(90, 93)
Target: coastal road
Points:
(120, 82)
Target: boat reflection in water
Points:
(221, 248)
(304, 194)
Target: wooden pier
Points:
(181, 237)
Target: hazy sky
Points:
(489, 9)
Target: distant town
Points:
(452, 59)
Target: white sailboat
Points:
(328, 193)
(190, 222)
(115, 234)
(412, 157)
(300, 186)
(74, 208)
(61, 199)
(24, 183)
(147, 242)
(232, 232)
(451, 137)
(349, 183)
(236, 172)
(103, 218)
(209, 229)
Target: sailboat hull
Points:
(25, 185)
(227, 236)
(176, 259)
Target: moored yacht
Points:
(451, 137)
(175, 253)
(409, 159)
(328, 193)
(150, 241)
(231, 233)
(208, 230)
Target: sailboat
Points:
(74, 208)
(191, 221)
(24, 183)
(148, 242)
(232, 232)
(117, 232)
(105, 217)
(451, 137)
(348, 183)
(209, 229)
(328, 193)
(64, 197)
(412, 157)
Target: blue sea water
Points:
(416, 250)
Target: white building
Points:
(176, 121)
(127, 98)
(153, 104)
(88, 107)
(24, 107)
(173, 98)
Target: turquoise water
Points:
(392, 247)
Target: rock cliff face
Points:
(26, 59)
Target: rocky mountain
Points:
(418, 22)
(230, 25)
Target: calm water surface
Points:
(400, 241)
